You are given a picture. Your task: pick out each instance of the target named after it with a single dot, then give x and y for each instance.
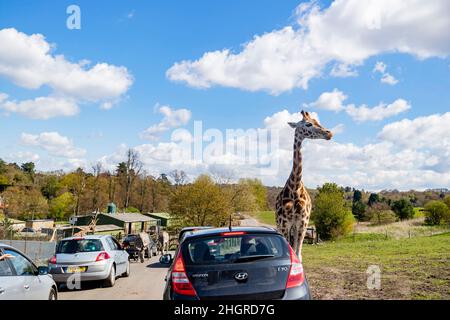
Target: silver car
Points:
(20, 279)
(95, 257)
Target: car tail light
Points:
(296, 275)
(52, 260)
(102, 256)
(233, 233)
(180, 281)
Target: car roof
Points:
(5, 246)
(217, 231)
(93, 236)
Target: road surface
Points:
(146, 282)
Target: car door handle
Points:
(2, 291)
(27, 287)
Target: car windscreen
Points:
(79, 245)
(234, 249)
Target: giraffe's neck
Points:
(296, 175)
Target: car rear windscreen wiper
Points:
(254, 257)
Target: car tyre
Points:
(111, 280)
(127, 273)
(53, 295)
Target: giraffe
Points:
(293, 205)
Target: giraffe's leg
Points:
(302, 232)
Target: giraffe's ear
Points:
(292, 124)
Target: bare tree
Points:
(97, 169)
(130, 170)
(179, 177)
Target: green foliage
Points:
(131, 210)
(357, 196)
(359, 210)
(50, 187)
(436, 213)
(373, 198)
(25, 203)
(201, 203)
(447, 201)
(62, 206)
(403, 209)
(330, 215)
(258, 190)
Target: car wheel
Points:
(111, 280)
(53, 295)
(127, 273)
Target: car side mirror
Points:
(43, 270)
(166, 259)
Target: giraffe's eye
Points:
(308, 124)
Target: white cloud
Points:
(23, 156)
(346, 34)
(380, 67)
(389, 79)
(173, 118)
(407, 154)
(29, 62)
(42, 108)
(343, 71)
(334, 101)
(380, 112)
(54, 143)
(331, 101)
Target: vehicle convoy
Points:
(21, 279)
(139, 246)
(235, 263)
(93, 257)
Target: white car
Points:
(21, 279)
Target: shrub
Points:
(436, 212)
(330, 215)
(403, 208)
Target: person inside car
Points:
(6, 256)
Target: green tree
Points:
(50, 186)
(373, 198)
(357, 195)
(330, 214)
(62, 206)
(403, 209)
(201, 203)
(359, 210)
(447, 201)
(258, 190)
(29, 168)
(436, 212)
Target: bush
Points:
(330, 215)
(381, 213)
(403, 208)
(436, 213)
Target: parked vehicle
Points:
(139, 246)
(21, 279)
(93, 257)
(239, 263)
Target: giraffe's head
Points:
(310, 128)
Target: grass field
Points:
(416, 268)
(265, 217)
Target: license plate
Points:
(76, 269)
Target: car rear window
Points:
(79, 245)
(232, 249)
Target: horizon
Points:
(170, 80)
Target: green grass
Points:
(418, 212)
(416, 268)
(265, 217)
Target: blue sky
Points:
(149, 37)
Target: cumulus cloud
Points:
(380, 67)
(42, 108)
(334, 101)
(29, 62)
(331, 101)
(55, 144)
(173, 118)
(345, 34)
(379, 112)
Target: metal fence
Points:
(38, 251)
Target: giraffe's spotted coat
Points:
(293, 205)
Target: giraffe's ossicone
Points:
(293, 205)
